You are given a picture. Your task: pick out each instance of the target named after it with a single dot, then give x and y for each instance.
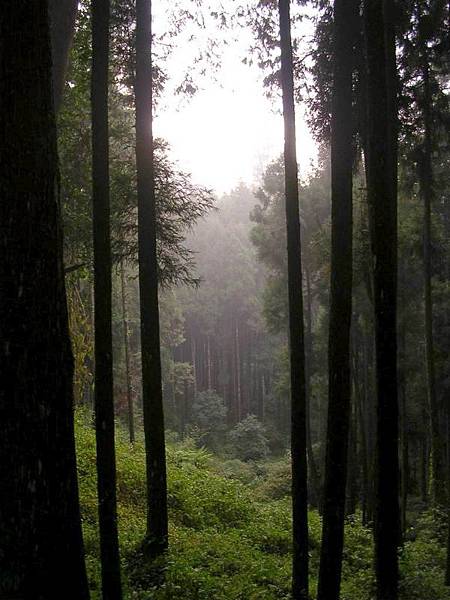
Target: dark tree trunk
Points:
(360, 393)
(339, 383)
(424, 461)
(447, 568)
(296, 324)
(40, 527)
(238, 374)
(208, 348)
(62, 27)
(439, 479)
(382, 194)
(194, 366)
(148, 290)
(104, 395)
(404, 472)
(313, 472)
(126, 347)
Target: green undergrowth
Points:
(230, 531)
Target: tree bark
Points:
(339, 383)
(126, 347)
(313, 472)
(296, 324)
(157, 520)
(62, 28)
(382, 195)
(104, 389)
(439, 479)
(40, 526)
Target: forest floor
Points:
(230, 530)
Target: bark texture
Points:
(41, 548)
(296, 323)
(104, 392)
(339, 386)
(148, 290)
(382, 196)
(62, 27)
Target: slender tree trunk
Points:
(40, 527)
(63, 15)
(312, 465)
(126, 346)
(404, 474)
(157, 520)
(296, 324)
(352, 479)
(339, 386)
(209, 361)
(360, 393)
(104, 394)
(447, 569)
(194, 365)
(424, 460)
(382, 193)
(439, 479)
(238, 373)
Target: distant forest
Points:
(242, 396)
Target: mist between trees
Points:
(241, 396)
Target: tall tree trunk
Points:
(352, 478)
(40, 526)
(447, 568)
(157, 520)
(339, 383)
(208, 342)
(126, 347)
(296, 324)
(238, 373)
(63, 15)
(382, 194)
(313, 471)
(404, 472)
(103, 383)
(439, 479)
(360, 404)
(194, 365)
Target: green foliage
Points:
(248, 439)
(226, 542)
(209, 418)
(277, 483)
(179, 202)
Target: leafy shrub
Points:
(248, 440)
(278, 481)
(209, 419)
(228, 542)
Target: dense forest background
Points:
(218, 392)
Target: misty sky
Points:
(228, 130)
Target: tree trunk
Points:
(238, 374)
(339, 386)
(382, 195)
(40, 526)
(157, 520)
(296, 324)
(447, 569)
(194, 365)
(104, 389)
(208, 342)
(439, 479)
(63, 15)
(126, 346)
(313, 471)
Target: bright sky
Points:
(228, 130)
